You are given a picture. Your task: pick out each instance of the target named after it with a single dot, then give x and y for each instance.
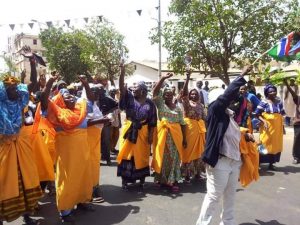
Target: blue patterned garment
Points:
(11, 111)
(267, 107)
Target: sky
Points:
(123, 13)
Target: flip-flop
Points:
(98, 200)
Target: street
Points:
(273, 200)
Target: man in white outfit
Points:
(222, 154)
(203, 93)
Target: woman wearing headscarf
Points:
(194, 116)
(270, 112)
(171, 137)
(19, 179)
(74, 182)
(137, 133)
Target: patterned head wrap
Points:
(10, 80)
(166, 89)
(142, 85)
(267, 89)
(64, 91)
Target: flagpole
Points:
(159, 39)
(255, 61)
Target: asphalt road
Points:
(273, 200)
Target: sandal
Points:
(98, 200)
(67, 219)
(29, 221)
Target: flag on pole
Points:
(295, 49)
(280, 51)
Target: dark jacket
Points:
(107, 104)
(218, 121)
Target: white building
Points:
(148, 71)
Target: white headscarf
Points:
(214, 94)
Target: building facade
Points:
(15, 45)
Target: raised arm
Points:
(27, 53)
(186, 84)
(159, 84)
(121, 80)
(293, 93)
(89, 93)
(46, 92)
(231, 92)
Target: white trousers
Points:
(221, 182)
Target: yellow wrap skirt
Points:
(73, 169)
(42, 157)
(272, 138)
(19, 179)
(163, 128)
(250, 160)
(94, 140)
(195, 134)
(140, 151)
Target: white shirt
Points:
(231, 140)
(205, 96)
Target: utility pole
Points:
(159, 39)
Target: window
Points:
(34, 41)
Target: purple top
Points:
(138, 112)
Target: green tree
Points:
(66, 52)
(95, 49)
(9, 63)
(107, 47)
(218, 32)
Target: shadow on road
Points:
(115, 195)
(106, 215)
(259, 222)
(285, 169)
(289, 169)
(265, 173)
(103, 214)
(193, 187)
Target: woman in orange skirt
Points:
(194, 116)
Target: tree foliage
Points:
(95, 49)
(107, 47)
(9, 63)
(218, 32)
(66, 51)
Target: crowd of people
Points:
(53, 136)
